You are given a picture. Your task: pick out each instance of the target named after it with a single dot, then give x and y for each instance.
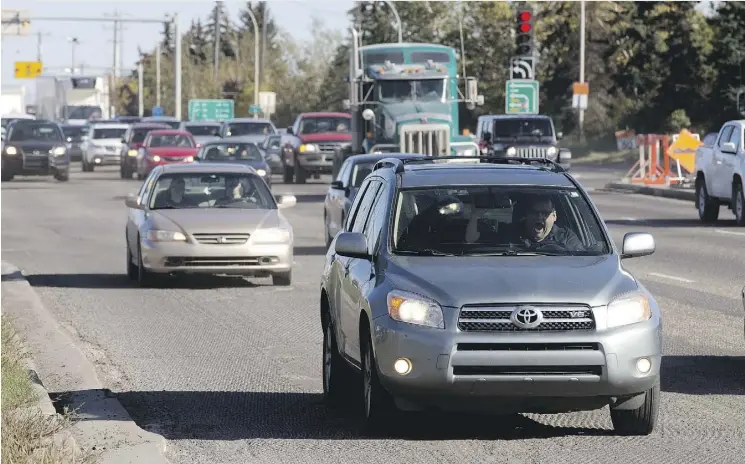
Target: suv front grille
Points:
(532, 152)
(499, 319)
(221, 239)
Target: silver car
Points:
(487, 287)
(208, 218)
(202, 131)
(102, 145)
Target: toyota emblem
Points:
(526, 317)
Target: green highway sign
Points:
(254, 109)
(211, 110)
(521, 97)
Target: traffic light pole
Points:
(582, 66)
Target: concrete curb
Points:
(677, 194)
(101, 424)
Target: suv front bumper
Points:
(520, 372)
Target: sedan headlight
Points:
(261, 172)
(189, 159)
(58, 151)
(165, 236)
(307, 148)
(132, 153)
(552, 151)
(11, 151)
(415, 309)
(512, 151)
(629, 309)
(271, 236)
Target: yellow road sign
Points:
(28, 69)
(684, 150)
(581, 88)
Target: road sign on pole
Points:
(254, 109)
(522, 67)
(27, 69)
(580, 94)
(211, 110)
(521, 96)
(268, 103)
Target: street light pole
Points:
(218, 9)
(157, 74)
(256, 57)
(73, 42)
(398, 20)
(582, 66)
(177, 66)
(140, 89)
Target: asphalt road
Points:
(228, 370)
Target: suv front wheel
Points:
(378, 406)
(640, 421)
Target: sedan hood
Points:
(215, 220)
(173, 151)
(457, 281)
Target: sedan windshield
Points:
(109, 133)
(171, 140)
(497, 221)
(232, 152)
(41, 132)
(203, 130)
(249, 128)
(216, 190)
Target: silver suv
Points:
(492, 286)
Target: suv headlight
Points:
(11, 150)
(58, 151)
(415, 309)
(165, 236)
(552, 151)
(512, 151)
(307, 148)
(629, 309)
(271, 236)
(261, 172)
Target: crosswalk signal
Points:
(524, 33)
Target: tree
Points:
(728, 58)
(167, 44)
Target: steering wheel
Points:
(550, 246)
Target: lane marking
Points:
(629, 219)
(665, 276)
(730, 232)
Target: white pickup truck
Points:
(720, 170)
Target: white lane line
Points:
(629, 219)
(729, 232)
(679, 279)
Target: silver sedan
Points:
(208, 219)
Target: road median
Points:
(100, 426)
(664, 192)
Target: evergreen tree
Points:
(728, 58)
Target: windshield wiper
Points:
(515, 253)
(424, 252)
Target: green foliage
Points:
(651, 66)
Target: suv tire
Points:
(337, 376)
(640, 421)
(377, 404)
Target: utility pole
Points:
(582, 66)
(157, 74)
(38, 47)
(263, 42)
(218, 7)
(115, 66)
(73, 41)
(399, 26)
(256, 56)
(140, 89)
(177, 66)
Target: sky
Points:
(95, 50)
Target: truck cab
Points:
(720, 170)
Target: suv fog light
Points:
(643, 365)
(402, 366)
(97, 160)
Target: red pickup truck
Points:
(308, 149)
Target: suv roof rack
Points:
(545, 164)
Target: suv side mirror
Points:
(729, 147)
(486, 137)
(636, 244)
(351, 245)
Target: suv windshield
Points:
(203, 130)
(249, 128)
(74, 132)
(41, 132)
(218, 190)
(170, 140)
(497, 220)
(109, 133)
(322, 125)
(540, 127)
(232, 152)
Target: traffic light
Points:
(524, 33)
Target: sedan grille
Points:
(221, 239)
(499, 319)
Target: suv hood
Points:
(457, 281)
(326, 137)
(215, 220)
(411, 111)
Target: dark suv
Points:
(35, 147)
(486, 287)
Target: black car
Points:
(35, 148)
(236, 151)
(345, 186)
(272, 148)
(74, 136)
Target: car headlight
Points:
(415, 309)
(11, 151)
(189, 159)
(271, 236)
(629, 309)
(512, 151)
(307, 148)
(155, 158)
(58, 151)
(466, 153)
(552, 151)
(165, 236)
(132, 153)
(261, 172)
(484, 150)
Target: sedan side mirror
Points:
(133, 201)
(337, 185)
(124, 141)
(289, 131)
(351, 245)
(636, 244)
(286, 201)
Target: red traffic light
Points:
(525, 28)
(525, 16)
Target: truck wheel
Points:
(708, 208)
(640, 421)
(287, 174)
(738, 204)
(300, 174)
